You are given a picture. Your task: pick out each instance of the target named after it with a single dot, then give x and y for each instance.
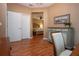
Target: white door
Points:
(14, 26)
(25, 26)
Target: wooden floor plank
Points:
(32, 47)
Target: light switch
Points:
(0, 24)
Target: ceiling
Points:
(36, 5)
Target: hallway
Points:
(32, 47)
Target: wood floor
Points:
(32, 47)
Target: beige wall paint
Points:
(3, 9)
(18, 8)
(65, 8)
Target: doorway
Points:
(37, 24)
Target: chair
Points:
(59, 45)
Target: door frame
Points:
(32, 22)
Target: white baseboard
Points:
(29, 38)
(20, 39)
(45, 38)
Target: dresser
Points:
(68, 35)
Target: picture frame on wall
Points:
(62, 19)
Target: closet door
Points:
(25, 26)
(14, 26)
